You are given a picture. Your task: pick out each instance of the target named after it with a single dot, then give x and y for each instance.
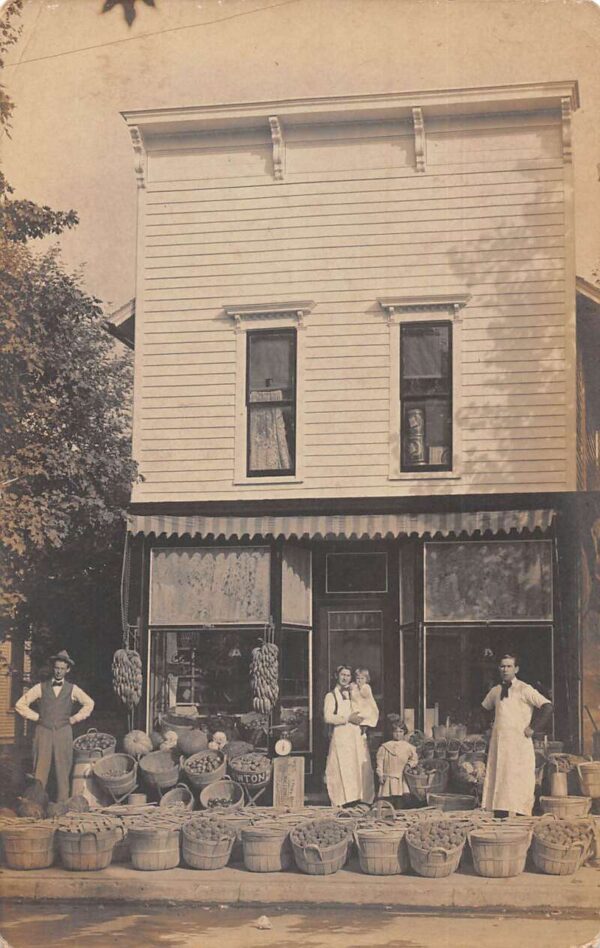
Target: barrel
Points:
(589, 778)
(266, 849)
(154, 848)
(28, 847)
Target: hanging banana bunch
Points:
(264, 677)
(127, 676)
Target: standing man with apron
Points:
(509, 785)
(53, 739)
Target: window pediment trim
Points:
(250, 315)
(395, 306)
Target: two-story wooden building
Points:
(355, 408)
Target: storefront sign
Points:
(479, 581)
(218, 586)
(288, 781)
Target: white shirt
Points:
(35, 693)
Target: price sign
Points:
(288, 781)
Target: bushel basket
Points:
(566, 808)
(117, 773)
(320, 858)
(254, 778)
(93, 744)
(85, 852)
(154, 848)
(202, 778)
(225, 794)
(206, 853)
(180, 797)
(434, 863)
(499, 853)
(433, 780)
(589, 778)
(160, 769)
(558, 860)
(382, 852)
(449, 802)
(29, 847)
(267, 848)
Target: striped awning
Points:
(343, 526)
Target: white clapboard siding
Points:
(353, 222)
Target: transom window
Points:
(426, 396)
(271, 402)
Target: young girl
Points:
(362, 700)
(392, 758)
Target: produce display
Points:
(209, 829)
(76, 804)
(437, 834)
(562, 832)
(264, 677)
(204, 763)
(322, 833)
(127, 676)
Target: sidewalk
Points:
(462, 891)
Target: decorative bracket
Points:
(139, 160)
(278, 148)
(567, 140)
(249, 314)
(420, 140)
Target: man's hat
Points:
(62, 656)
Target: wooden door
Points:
(362, 633)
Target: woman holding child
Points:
(350, 705)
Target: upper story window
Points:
(426, 396)
(271, 402)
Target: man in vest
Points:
(53, 739)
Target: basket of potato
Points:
(561, 846)
(251, 770)
(204, 768)
(320, 846)
(435, 847)
(207, 842)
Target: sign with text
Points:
(288, 781)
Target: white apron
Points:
(348, 772)
(510, 775)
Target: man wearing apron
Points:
(509, 785)
(54, 734)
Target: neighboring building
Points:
(355, 410)
(14, 672)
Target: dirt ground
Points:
(170, 926)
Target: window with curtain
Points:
(271, 402)
(426, 396)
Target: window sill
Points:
(250, 481)
(425, 476)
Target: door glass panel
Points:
(355, 638)
(356, 572)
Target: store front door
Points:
(364, 634)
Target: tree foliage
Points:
(65, 467)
